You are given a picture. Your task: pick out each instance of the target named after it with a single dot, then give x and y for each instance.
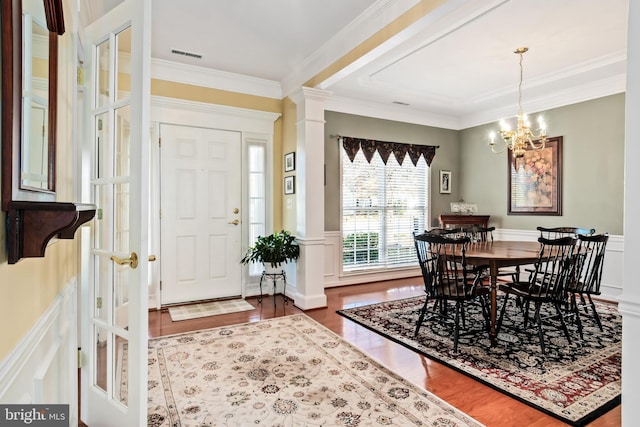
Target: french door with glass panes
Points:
(114, 304)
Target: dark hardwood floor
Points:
(481, 402)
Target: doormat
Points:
(206, 309)
(575, 383)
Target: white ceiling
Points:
(454, 68)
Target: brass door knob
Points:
(132, 261)
(234, 222)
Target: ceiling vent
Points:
(400, 103)
(184, 53)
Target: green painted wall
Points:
(592, 176)
(447, 156)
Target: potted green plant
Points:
(273, 250)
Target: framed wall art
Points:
(289, 184)
(445, 182)
(535, 181)
(289, 162)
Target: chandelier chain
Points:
(520, 86)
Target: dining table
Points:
(496, 255)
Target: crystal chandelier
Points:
(518, 140)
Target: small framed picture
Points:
(289, 184)
(289, 162)
(445, 181)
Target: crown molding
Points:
(569, 96)
(613, 60)
(199, 76)
(573, 95)
(391, 112)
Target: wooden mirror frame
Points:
(12, 100)
(34, 217)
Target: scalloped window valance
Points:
(384, 149)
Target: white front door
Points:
(114, 304)
(201, 201)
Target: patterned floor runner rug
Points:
(574, 383)
(289, 371)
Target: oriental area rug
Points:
(574, 383)
(288, 371)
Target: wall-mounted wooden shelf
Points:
(32, 224)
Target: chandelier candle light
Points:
(517, 140)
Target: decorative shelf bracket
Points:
(32, 224)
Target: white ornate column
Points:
(629, 301)
(310, 197)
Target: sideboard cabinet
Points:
(460, 220)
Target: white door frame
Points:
(252, 124)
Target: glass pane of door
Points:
(111, 233)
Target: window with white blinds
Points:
(382, 205)
(257, 216)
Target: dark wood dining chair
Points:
(587, 276)
(448, 278)
(547, 284)
(558, 232)
(477, 233)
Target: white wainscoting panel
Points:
(43, 367)
(611, 287)
(333, 275)
(332, 264)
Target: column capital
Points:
(310, 94)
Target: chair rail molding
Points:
(629, 307)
